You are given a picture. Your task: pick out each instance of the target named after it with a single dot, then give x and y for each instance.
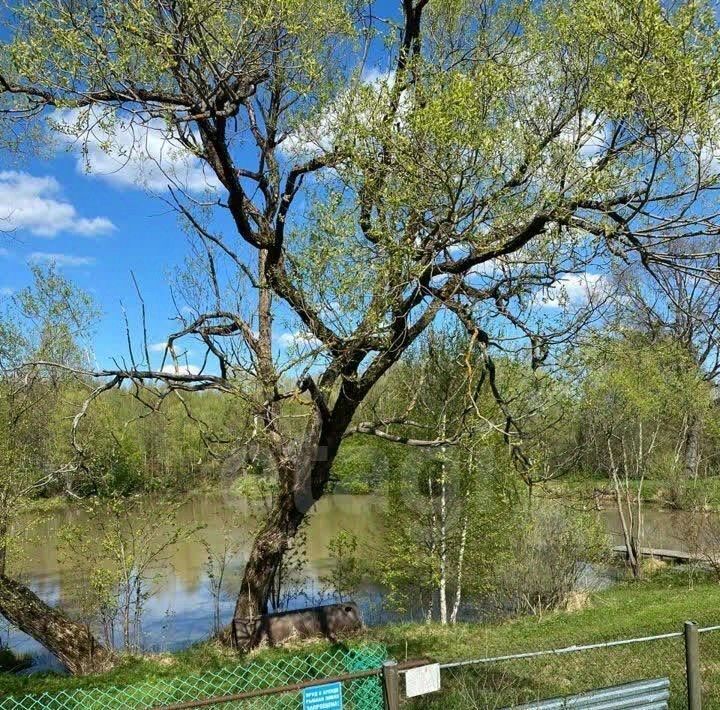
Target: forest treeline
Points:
(472, 515)
(631, 398)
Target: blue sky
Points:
(98, 227)
(103, 230)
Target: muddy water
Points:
(180, 610)
(663, 529)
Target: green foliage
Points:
(363, 464)
(632, 377)
(478, 503)
(641, 398)
(119, 569)
(346, 568)
(254, 487)
(546, 557)
(46, 321)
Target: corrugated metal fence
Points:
(643, 695)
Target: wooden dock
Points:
(679, 556)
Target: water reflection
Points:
(663, 529)
(180, 610)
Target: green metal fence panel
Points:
(360, 694)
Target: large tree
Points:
(683, 306)
(451, 159)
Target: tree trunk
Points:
(267, 552)
(692, 448)
(3, 546)
(461, 561)
(625, 510)
(433, 545)
(302, 481)
(70, 642)
(443, 545)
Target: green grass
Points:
(631, 609)
(132, 670)
(702, 493)
(657, 605)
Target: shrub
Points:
(548, 558)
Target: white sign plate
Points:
(422, 680)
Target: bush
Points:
(548, 558)
(361, 468)
(253, 487)
(11, 662)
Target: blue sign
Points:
(323, 697)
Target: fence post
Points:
(391, 685)
(692, 664)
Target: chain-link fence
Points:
(709, 662)
(475, 684)
(359, 693)
(506, 681)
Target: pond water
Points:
(180, 611)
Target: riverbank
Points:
(657, 605)
(596, 491)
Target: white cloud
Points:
(573, 290)
(36, 204)
(61, 259)
(157, 347)
(317, 135)
(589, 137)
(132, 152)
(170, 369)
(298, 339)
(313, 138)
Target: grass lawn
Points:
(658, 605)
(633, 609)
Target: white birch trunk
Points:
(443, 544)
(433, 547)
(461, 559)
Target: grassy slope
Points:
(703, 493)
(629, 609)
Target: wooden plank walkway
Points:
(662, 554)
